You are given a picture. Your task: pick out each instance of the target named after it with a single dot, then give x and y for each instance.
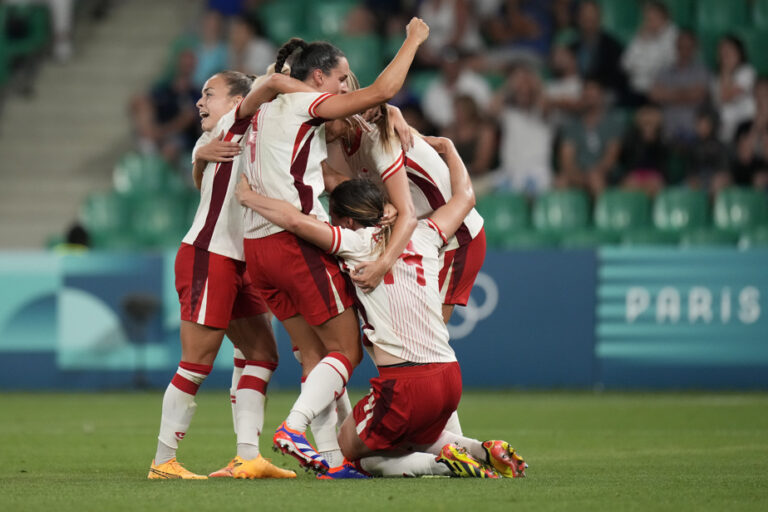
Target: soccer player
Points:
(283, 154)
(419, 383)
(217, 297)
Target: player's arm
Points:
(217, 150)
(401, 128)
(386, 85)
(266, 90)
(451, 215)
(369, 274)
(285, 215)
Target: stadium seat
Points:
(137, 174)
(620, 18)
(158, 220)
(757, 237)
(561, 211)
(760, 14)
(36, 34)
(364, 56)
(740, 209)
(708, 238)
(503, 214)
(619, 210)
(327, 18)
(716, 15)
(682, 12)
(649, 237)
(283, 20)
(680, 209)
(104, 213)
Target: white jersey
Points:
(218, 224)
(403, 314)
(428, 176)
(283, 155)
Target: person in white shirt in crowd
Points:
(248, 52)
(732, 87)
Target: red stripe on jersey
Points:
(185, 385)
(299, 167)
(220, 188)
(204, 369)
(317, 102)
(303, 129)
(254, 383)
(392, 169)
(269, 365)
(417, 168)
(437, 228)
(199, 278)
(355, 144)
(332, 250)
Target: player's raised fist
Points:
(417, 30)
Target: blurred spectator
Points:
(248, 52)
(455, 78)
(526, 135)
(226, 8)
(451, 23)
(732, 87)
(165, 119)
(211, 52)
(475, 137)
(416, 119)
(563, 91)
(360, 22)
(706, 159)
(591, 143)
(523, 26)
(644, 155)
(680, 89)
(751, 166)
(597, 52)
(651, 49)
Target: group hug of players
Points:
(400, 246)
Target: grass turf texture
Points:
(587, 452)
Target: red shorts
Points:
(408, 405)
(297, 278)
(214, 289)
(460, 269)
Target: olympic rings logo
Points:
(470, 315)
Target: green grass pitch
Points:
(587, 452)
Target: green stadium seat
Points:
(757, 237)
(682, 12)
(528, 239)
(158, 221)
(620, 17)
(760, 14)
(588, 238)
(326, 18)
(561, 211)
(104, 213)
(717, 15)
(739, 209)
(37, 34)
(708, 238)
(283, 20)
(680, 209)
(649, 237)
(620, 210)
(138, 174)
(364, 56)
(503, 214)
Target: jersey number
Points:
(409, 259)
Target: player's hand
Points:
(401, 128)
(367, 275)
(219, 150)
(390, 215)
(243, 187)
(417, 30)
(440, 144)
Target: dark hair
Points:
(239, 83)
(359, 199)
(304, 57)
(735, 41)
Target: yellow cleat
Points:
(504, 459)
(463, 465)
(259, 468)
(226, 471)
(172, 470)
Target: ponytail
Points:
(287, 50)
(310, 56)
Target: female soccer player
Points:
(284, 155)
(217, 296)
(419, 385)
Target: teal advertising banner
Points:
(672, 317)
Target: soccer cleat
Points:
(259, 468)
(346, 471)
(463, 465)
(295, 444)
(504, 459)
(226, 471)
(172, 470)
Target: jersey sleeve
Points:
(387, 158)
(304, 104)
(436, 235)
(348, 243)
(204, 139)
